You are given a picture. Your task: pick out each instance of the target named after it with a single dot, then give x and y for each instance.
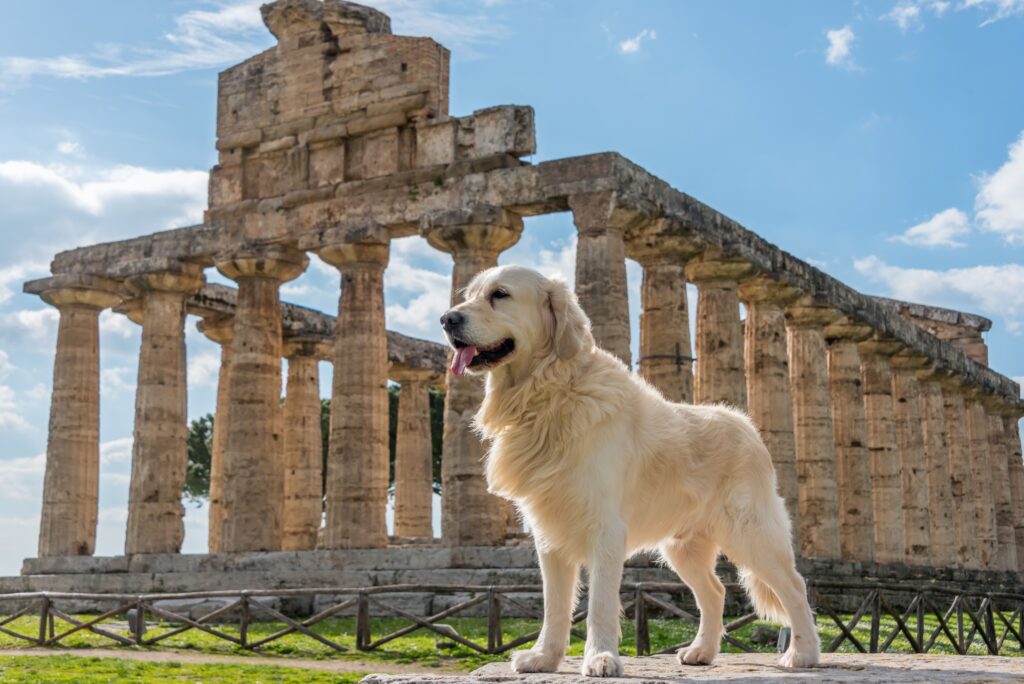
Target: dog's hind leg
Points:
(694, 562)
(560, 577)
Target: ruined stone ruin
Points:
(895, 445)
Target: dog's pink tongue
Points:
(463, 357)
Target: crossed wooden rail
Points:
(963, 617)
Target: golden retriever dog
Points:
(601, 466)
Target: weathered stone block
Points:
(504, 129)
(380, 154)
(435, 144)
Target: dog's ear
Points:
(571, 329)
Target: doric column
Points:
(357, 462)
(961, 480)
(766, 368)
(414, 462)
(601, 268)
(303, 444)
(1011, 435)
(719, 343)
(849, 426)
(1002, 493)
(981, 477)
(942, 528)
(160, 446)
(67, 526)
(812, 427)
(253, 473)
(913, 466)
(886, 486)
(469, 514)
(218, 328)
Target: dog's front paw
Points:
(534, 661)
(795, 658)
(698, 653)
(603, 664)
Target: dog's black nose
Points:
(452, 320)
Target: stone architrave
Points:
(601, 268)
(812, 427)
(766, 368)
(218, 328)
(469, 514)
(886, 485)
(849, 426)
(1015, 467)
(942, 528)
(303, 445)
(961, 481)
(913, 463)
(1002, 492)
(160, 446)
(357, 462)
(414, 481)
(67, 525)
(719, 343)
(253, 464)
(981, 476)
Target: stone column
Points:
(253, 464)
(357, 462)
(812, 428)
(67, 526)
(886, 486)
(1002, 493)
(981, 476)
(942, 528)
(303, 445)
(719, 343)
(849, 426)
(160, 446)
(414, 461)
(960, 477)
(913, 466)
(469, 514)
(601, 269)
(766, 367)
(1011, 414)
(218, 328)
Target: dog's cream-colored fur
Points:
(601, 466)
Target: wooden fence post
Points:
(643, 638)
(362, 622)
(494, 639)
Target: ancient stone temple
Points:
(895, 445)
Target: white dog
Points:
(602, 466)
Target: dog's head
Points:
(514, 316)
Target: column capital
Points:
(848, 329)
(218, 328)
(307, 345)
(280, 262)
(596, 213)
(663, 241)
(354, 243)
(76, 289)
(160, 275)
(879, 346)
(807, 312)
(764, 288)
(482, 229)
(132, 309)
(712, 267)
(402, 374)
(906, 359)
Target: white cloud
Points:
(12, 276)
(840, 47)
(203, 369)
(116, 451)
(633, 45)
(118, 380)
(940, 230)
(906, 15)
(23, 478)
(71, 148)
(31, 325)
(999, 204)
(10, 419)
(996, 10)
(427, 292)
(996, 291)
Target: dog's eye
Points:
(499, 294)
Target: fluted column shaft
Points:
(303, 447)
(1015, 467)
(414, 481)
(67, 525)
(1002, 493)
(218, 329)
(913, 467)
(470, 515)
(812, 429)
(253, 463)
(766, 369)
(719, 343)
(665, 349)
(961, 480)
(160, 446)
(942, 528)
(853, 463)
(886, 485)
(981, 476)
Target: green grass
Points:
(64, 668)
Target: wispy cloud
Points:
(906, 15)
(910, 14)
(941, 230)
(840, 47)
(632, 45)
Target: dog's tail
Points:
(766, 602)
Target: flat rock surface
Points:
(759, 667)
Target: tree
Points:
(200, 450)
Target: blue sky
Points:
(879, 140)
